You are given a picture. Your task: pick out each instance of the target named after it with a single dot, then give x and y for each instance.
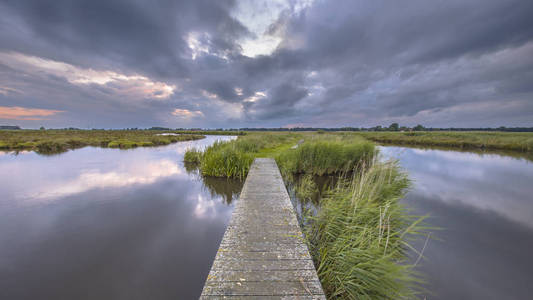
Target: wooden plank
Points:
(263, 253)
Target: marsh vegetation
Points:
(57, 141)
(511, 141)
(359, 235)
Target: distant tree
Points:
(10, 127)
(320, 131)
(42, 128)
(419, 128)
(394, 126)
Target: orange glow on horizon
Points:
(23, 113)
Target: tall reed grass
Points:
(360, 236)
(193, 155)
(325, 157)
(227, 159)
(232, 159)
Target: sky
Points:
(266, 63)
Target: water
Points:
(139, 224)
(484, 205)
(109, 224)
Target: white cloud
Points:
(256, 97)
(185, 113)
(200, 44)
(258, 16)
(144, 173)
(195, 43)
(135, 86)
(209, 95)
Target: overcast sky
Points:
(266, 63)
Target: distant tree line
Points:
(391, 127)
(9, 127)
(395, 127)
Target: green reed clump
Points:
(48, 146)
(233, 159)
(193, 155)
(226, 159)
(325, 157)
(360, 237)
(306, 188)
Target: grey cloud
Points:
(128, 34)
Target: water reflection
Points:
(306, 192)
(484, 204)
(108, 224)
(228, 188)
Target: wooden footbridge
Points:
(263, 254)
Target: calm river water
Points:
(484, 207)
(139, 224)
(99, 223)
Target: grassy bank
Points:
(359, 237)
(511, 141)
(57, 141)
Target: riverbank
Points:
(473, 140)
(56, 141)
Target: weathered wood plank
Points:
(263, 254)
(263, 288)
(255, 297)
(277, 275)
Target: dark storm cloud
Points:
(379, 32)
(136, 34)
(280, 102)
(375, 41)
(359, 63)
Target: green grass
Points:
(513, 141)
(193, 156)
(232, 159)
(323, 157)
(227, 159)
(360, 237)
(57, 141)
(316, 154)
